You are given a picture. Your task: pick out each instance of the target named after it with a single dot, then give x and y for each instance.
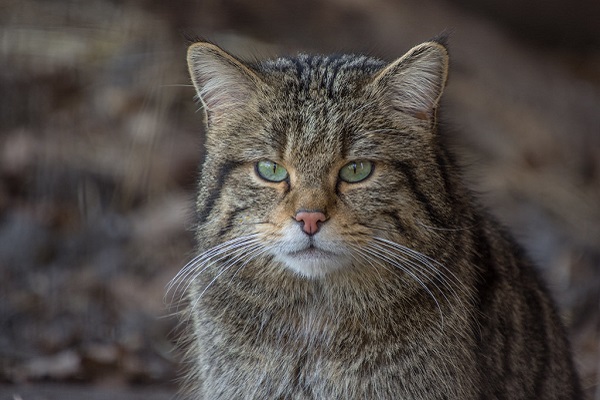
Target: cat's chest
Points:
(300, 355)
(312, 365)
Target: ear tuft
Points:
(414, 83)
(222, 82)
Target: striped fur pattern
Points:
(407, 290)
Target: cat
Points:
(339, 254)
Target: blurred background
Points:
(100, 142)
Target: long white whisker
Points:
(224, 269)
(428, 261)
(238, 253)
(359, 251)
(252, 256)
(207, 254)
(439, 228)
(417, 268)
(416, 262)
(193, 273)
(221, 272)
(231, 258)
(206, 259)
(374, 251)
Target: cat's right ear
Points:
(223, 83)
(414, 83)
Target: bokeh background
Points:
(100, 142)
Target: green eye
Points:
(271, 171)
(356, 171)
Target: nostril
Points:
(311, 220)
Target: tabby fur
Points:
(407, 291)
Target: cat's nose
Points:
(311, 220)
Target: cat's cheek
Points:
(266, 196)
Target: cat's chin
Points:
(313, 262)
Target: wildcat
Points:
(339, 254)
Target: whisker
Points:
(359, 251)
(426, 260)
(249, 253)
(239, 253)
(206, 262)
(438, 228)
(224, 269)
(206, 259)
(430, 275)
(373, 251)
(449, 280)
(418, 261)
(252, 257)
(221, 272)
(218, 248)
(231, 257)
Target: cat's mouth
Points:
(311, 252)
(313, 261)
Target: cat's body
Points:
(340, 256)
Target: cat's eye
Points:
(271, 171)
(356, 171)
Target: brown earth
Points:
(100, 143)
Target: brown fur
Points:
(414, 293)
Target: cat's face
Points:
(312, 160)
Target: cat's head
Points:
(319, 162)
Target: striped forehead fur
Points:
(325, 74)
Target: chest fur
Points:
(315, 355)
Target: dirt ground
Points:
(100, 143)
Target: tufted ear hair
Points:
(223, 83)
(414, 83)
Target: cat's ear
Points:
(414, 83)
(223, 83)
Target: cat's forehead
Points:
(315, 99)
(329, 75)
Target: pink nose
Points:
(310, 220)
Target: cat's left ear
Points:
(414, 83)
(224, 84)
